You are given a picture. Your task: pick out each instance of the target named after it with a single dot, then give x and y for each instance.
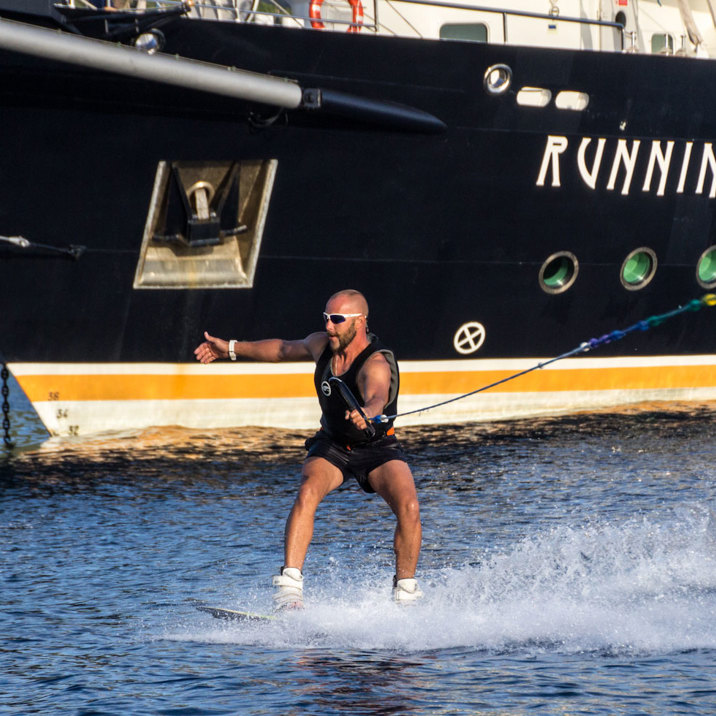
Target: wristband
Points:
(232, 355)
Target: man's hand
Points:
(355, 417)
(211, 349)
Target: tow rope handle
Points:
(350, 400)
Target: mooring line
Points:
(696, 304)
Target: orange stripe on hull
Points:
(208, 387)
(542, 381)
(164, 387)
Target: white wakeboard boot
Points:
(406, 591)
(289, 594)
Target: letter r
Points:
(555, 146)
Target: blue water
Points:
(569, 566)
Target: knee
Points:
(408, 512)
(308, 497)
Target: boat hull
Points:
(447, 233)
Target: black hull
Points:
(436, 228)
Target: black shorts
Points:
(356, 461)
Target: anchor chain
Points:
(5, 374)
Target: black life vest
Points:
(333, 407)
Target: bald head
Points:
(348, 301)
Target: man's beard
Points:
(345, 338)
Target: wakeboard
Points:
(235, 615)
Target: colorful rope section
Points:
(644, 325)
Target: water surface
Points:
(569, 566)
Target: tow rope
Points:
(696, 304)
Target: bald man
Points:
(342, 447)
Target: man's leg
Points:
(319, 477)
(393, 481)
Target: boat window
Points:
(568, 99)
(205, 224)
(471, 31)
(534, 97)
(558, 272)
(662, 44)
(706, 268)
(638, 269)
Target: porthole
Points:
(497, 79)
(706, 268)
(638, 269)
(150, 42)
(558, 272)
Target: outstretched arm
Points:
(272, 349)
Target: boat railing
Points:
(506, 14)
(296, 13)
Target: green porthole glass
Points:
(706, 268)
(638, 269)
(558, 272)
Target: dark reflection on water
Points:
(242, 449)
(359, 682)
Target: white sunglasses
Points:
(338, 317)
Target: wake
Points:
(643, 586)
